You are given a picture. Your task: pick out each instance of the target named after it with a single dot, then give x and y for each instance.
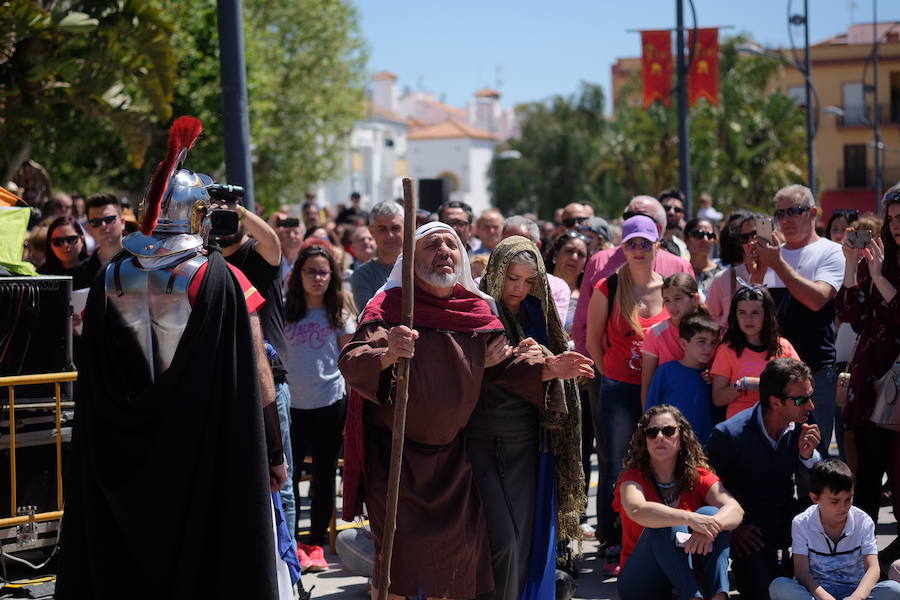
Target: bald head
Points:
(651, 207)
(577, 210)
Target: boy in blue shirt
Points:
(681, 383)
(833, 544)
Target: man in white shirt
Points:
(804, 273)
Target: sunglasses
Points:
(651, 433)
(634, 244)
(798, 400)
(793, 211)
(851, 214)
(702, 235)
(573, 221)
(673, 208)
(745, 238)
(69, 240)
(634, 213)
(98, 221)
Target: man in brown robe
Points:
(441, 547)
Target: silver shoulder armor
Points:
(154, 305)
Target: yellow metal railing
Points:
(11, 383)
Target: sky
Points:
(532, 50)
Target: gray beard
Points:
(436, 279)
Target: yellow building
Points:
(844, 142)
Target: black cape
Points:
(167, 490)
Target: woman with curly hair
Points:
(675, 513)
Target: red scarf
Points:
(462, 312)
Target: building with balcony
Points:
(842, 74)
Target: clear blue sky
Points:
(548, 47)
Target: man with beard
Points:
(255, 249)
(441, 547)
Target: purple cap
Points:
(640, 226)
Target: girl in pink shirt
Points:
(753, 339)
(661, 342)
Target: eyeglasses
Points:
(798, 400)
(793, 211)
(674, 208)
(316, 274)
(651, 433)
(456, 223)
(746, 238)
(573, 221)
(634, 213)
(97, 222)
(69, 240)
(635, 243)
(702, 235)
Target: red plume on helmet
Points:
(182, 135)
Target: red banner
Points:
(703, 78)
(656, 66)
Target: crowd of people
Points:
(698, 358)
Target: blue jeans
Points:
(283, 401)
(824, 382)
(619, 409)
(785, 588)
(657, 565)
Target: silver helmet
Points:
(175, 205)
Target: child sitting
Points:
(661, 342)
(680, 382)
(753, 339)
(833, 544)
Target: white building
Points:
(418, 136)
(457, 153)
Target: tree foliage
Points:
(742, 150)
(63, 65)
(153, 60)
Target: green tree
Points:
(560, 141)
(742, 150)
(306, 70)
(68, 67)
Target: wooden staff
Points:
(399, 430)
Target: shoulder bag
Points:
(886, 412)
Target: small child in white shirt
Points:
(833, 543)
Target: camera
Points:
(224, 221)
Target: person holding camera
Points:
(803, 272)
(256, 250)
(869, 301)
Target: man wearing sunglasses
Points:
(804, 273)
(672, 201)
(573, 215)
(105, 223)
(756, 453)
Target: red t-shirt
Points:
(251, 295)
(689, 500)
(622, 357)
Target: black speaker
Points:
(36, 331)
(431, 194)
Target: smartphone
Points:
(289, 222)
(859, 237)
(764, 229)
